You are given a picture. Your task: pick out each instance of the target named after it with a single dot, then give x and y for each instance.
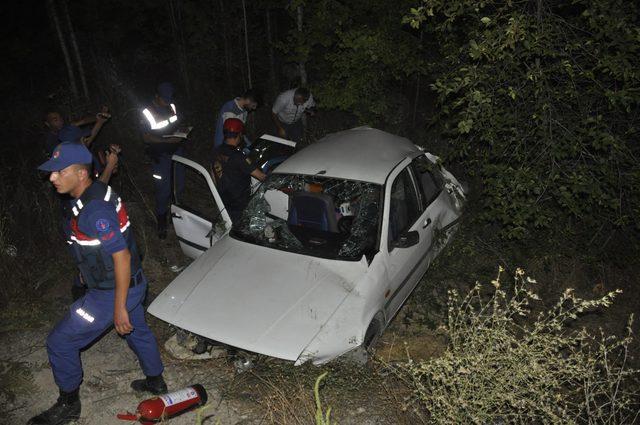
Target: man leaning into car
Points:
(233, 170)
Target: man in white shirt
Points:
(288, 110)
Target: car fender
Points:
(346, 328)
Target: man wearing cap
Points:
(159, 121)
(233, 170)
(107, 256)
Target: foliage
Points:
(322, 418)
(360, 56)
(541, 101)
(499, 370)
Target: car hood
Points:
(257, 298)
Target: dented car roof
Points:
(362, 153)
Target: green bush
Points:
(540, 101)
(501, 366)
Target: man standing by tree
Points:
(107, 256)
(54, 122)
(235, 108)
(288, 110)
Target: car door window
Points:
(429, 180)
(196, 196)
(404, 205)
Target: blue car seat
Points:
(312, 210)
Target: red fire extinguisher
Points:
(159, 408)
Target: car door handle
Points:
(426, 223)
(174, 215)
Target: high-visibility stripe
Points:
(161, 124)
(125, 227)
(90, 242)
(107, 195)
(157, 176)
(86, 316)
(75, 211)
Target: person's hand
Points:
(281, 132)
(121, 321)
(102, 117)
(112, 159)
(115, 148)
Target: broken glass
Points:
(313, 215)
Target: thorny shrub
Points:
(500, 367)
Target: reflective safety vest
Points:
(159, 125)
(96, 266)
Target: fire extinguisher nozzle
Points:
(128, 416)
(202, 393)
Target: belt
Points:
(137, 279)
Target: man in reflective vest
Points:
(106, 254)
(159, 122)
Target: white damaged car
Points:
(327, 251)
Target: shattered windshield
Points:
(311, 215)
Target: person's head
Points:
(70, 168)
(301, 95)
(53, 120)
(232, 129)
(164, 94)
(249, 100)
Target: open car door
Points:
(198, 215)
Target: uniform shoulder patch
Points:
(102, 225)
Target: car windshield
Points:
(311, 215)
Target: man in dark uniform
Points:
(107, 256)
(233, 170)
(159, 122)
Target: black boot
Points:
(66, 410)
(162, 226)
(151, 384)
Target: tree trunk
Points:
(74, 46)
(303, 69)
(272, 59)
(246, 42)
(417, 98)
(51, 7)
(225, 42)
(176, 30)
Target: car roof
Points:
(362, 153)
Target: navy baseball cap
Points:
(66, 154)
(165, 91)
(72, 133)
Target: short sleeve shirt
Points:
(235, 181)
(229, 110)
(99, 219)
(287, 111)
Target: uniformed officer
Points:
(233, 170)
(106, 254)
(159, 121)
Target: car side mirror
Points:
(406, 239)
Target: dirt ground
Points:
(272, 391)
